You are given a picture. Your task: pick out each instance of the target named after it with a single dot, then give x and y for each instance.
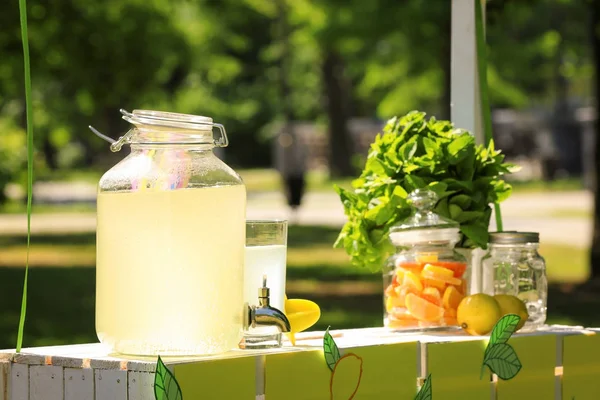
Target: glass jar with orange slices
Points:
(426, 279)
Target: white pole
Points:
(464, 79)
(464, 94)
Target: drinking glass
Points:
(266, 249)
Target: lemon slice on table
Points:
(302, 314)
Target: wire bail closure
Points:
(115, 145)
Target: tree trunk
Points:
(49, 153)
(595, 250)
(340, 144)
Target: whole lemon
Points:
(478, 313)
(512, 305)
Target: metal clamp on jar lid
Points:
(514, 237)
(161, 120)
(424, 226)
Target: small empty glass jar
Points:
(533, 282)
(514, 266)
(501, 263)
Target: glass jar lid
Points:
(514, 237)
(424, 225)
(168, 119)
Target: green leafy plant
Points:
(29, 118)
(500, 357)
(414, 152)
(166, 386)
(425, 393)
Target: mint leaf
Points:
(413, 152)
(425, 392)
(332, 353)
(462, 200)
(166, 386)
(431, 147)
(477, 232)
(503, 329)
(460, 145)
(503, 361)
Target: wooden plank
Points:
(19, 382)
(29, 359)
(536, 378)
(232, 378)
(46, 382)
(110, 384)
(581, 367)
(140, 385)
(305, 375)
(4, 379)
(295, 376)
(455, 370)
(79, 384)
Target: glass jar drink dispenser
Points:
(426, 279)
(170, 241)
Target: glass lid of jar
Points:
(169, 119)
(424, 225)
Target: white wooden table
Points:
(88, 372)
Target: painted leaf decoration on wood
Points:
(332, 353)
(166, 386)
(426, 391)
(502, 331)
(503, 361)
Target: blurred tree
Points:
(109, 55)
(344, 58)
(594, 8)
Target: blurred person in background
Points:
(290, 161)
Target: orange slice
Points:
(422, 309)
(409, 266)
(401, 313)
(402, 323)
(441, 286)
(393, 302)
(432, 295)
(458, 268)
(429, 324)
(401, 293)
(436, 275)
(426, 257)
(450, 313)
(399, 275)
(450, 321)
(463, 287)
(412, 280)
(435, 271)
(452, 298)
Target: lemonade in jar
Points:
(170, 241)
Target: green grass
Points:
(62, 285)
(558, 185)
(266, 180)
(570, 213)
(262, 180)
(15, 207)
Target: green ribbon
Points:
(483, 90)
(28, 111)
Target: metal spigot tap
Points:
(264, 314)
